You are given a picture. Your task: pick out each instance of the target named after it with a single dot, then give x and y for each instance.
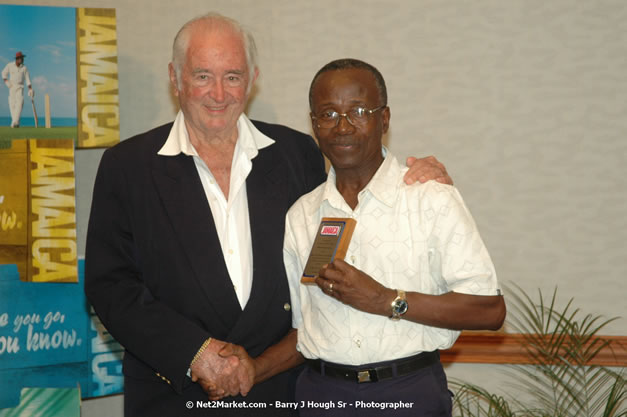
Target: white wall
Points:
(525, 101)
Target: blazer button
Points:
(287, 307)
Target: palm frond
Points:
(560, 343)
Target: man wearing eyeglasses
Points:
(184, 247)
(416, 270)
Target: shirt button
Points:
(353, 258)
(230, 251)
(287, 307)
(358, 343)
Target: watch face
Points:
(400, 307)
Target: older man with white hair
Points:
(184, 248)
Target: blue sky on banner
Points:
(47, 36)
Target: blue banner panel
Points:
(40, 324)
(50, 337)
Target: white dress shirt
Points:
(230, 216)
(417, 237)
(17, 75)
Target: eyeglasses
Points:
(357, 116)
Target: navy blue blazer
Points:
(155, 273)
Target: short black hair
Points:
(348, 63)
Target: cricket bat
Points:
(32, 101)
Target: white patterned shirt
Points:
(417, 237)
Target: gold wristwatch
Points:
(399, 305)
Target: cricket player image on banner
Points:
(15, 75)
(59, 92)
(63, 62)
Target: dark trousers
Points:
(423, 393)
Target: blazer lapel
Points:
(183, 197)
(266, 197)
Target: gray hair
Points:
(350, 63)
(181, 40)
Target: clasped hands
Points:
(224, 369)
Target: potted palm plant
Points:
(560, 382)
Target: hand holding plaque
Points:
(331, 242)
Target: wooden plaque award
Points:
(331, 242)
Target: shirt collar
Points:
(384, 185)
(250, 139)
